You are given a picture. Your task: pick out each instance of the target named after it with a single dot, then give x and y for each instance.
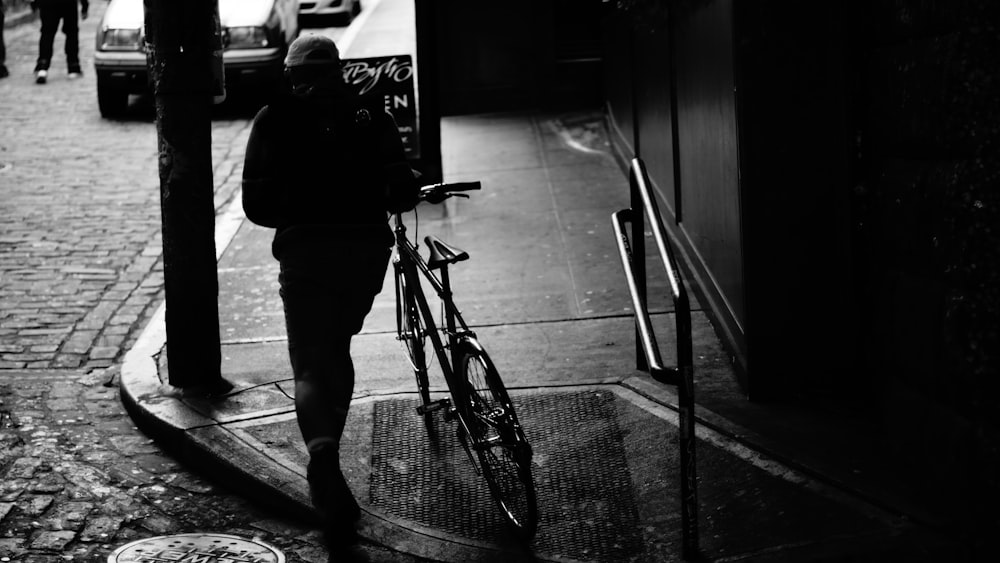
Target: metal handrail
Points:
(647, 350)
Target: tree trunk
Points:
(183, 44)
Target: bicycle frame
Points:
(488, 425)
(412, 266)
(411, 262)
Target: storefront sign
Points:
(390, 79)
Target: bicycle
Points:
(487, 423)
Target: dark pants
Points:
(66, 12)
(327, 291)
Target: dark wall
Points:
(619, 79)
(481, 66)
(671, 102)
(654, 101)
(832, 177)
(708, 150)
(794, 165)
(497, 56)
(927, 230)
(742, 122)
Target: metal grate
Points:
(587, 508)
(427, 480)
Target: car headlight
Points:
(246, 37)
(121, 39)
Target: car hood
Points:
(124, 14)
(128, 14)
(236, 13)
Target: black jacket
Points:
(321, 163)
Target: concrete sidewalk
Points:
(547, 297)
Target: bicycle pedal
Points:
(434, 406)
(450, 414)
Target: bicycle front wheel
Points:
(411, 331)
(503, 451)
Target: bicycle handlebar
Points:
(436, 193)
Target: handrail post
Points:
(638, 244)
(685, 407)
(633, 257)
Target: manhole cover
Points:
(197, 548)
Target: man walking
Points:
(51, 12)
(323, 170)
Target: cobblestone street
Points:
(79, 229)
(80, 275)
(78, 480)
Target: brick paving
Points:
(80, 266)
(79, 480)
(80, 275)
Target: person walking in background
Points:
(51, 12)
(324, 170)
(3, 48)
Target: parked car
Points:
(255, 36)
(340, 11)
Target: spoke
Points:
(507, 478)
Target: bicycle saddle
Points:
(443, 254)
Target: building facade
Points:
(829, 173)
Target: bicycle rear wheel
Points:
(410, 329)
(503, 451)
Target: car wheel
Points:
(111, 100)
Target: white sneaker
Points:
(75, 75)
(41, 76)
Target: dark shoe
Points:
(341, 551)
(340, 539)
(4, 73)
(329, 491)
(214, 390)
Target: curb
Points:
(160, 412)
(159, 409)
(181, 428)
